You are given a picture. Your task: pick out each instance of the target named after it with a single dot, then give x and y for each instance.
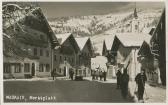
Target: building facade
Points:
(66, 56)
(86, 53)
(28, 52)
(156, 48)
(125, 48)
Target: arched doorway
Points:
(33, 69)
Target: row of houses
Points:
(73, 53)
(143, 50)
(32, 49)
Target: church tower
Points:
(135, 22)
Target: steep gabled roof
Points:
(129, 40)
(62, 37)
(81, 42)
(157, 27)
(133, 39)
(144, 44)
(32, 17)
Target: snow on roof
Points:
(109, 41)
(147, 30)
(62, 37)
(81, 41)
(133, 39)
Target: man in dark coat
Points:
(104, 75)
(100, 74)
(93, 74)
(71, 73)
(124, 83)
(53, 74)
(140, 81)
(118, 74)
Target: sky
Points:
(61, 9)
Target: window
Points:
(59, 70)
(26, 67)
(6, 68)
(41, 68)
(17, 68)
(55, 57)
(47, 53)
(35, 51)
(41, 52)
(65, 58)
(47, 67)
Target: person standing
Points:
(140, 81)
(124, 84)
(97, 74)
(93, 74)
(52, 74)
(118, 74)
(104, 75)
(101, 75)
(72, 74)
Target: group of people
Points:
(123, 80)
(98, 73)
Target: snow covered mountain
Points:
(100, 24)
(96, 26)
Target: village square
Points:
(47, 60)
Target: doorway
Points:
(33, 69)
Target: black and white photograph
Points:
(84, 52)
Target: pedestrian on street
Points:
(93, 74)
(97, 74)
(53, 74)
(124, 84)
(69, 73)
(101, 75)
(140, 81)
(72, 74)
(104, 75)
(118, 74)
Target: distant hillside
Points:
(98, 24)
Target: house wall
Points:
(43, 60)
(40, 59)
(21, 62)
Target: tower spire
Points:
(135, 12)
